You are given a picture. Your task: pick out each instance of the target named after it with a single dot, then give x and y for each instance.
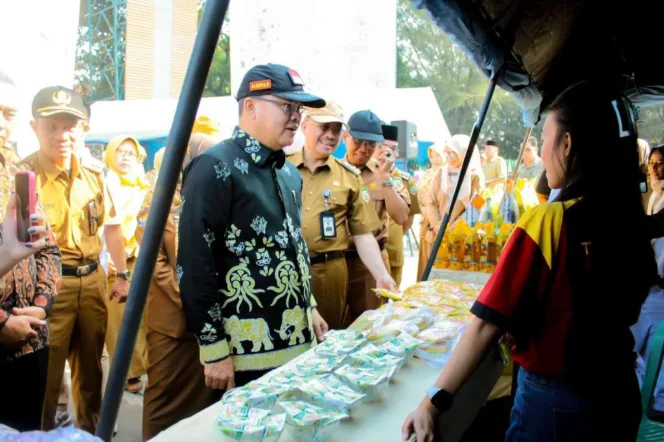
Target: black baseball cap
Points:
(56, 100)
(365, 125)
(390, 132)
(278, 80)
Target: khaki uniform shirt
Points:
(76, 207)
(377, 193)
(395, 232)
(349, 201)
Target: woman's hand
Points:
(11, 247)
(420, 422)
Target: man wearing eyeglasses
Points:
(243, 265)
(364, 140)
(337, 207)
(77, 206)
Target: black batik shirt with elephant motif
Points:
(243, 265)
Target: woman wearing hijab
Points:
(176, 382)
(127, 188)
(446, 181)
(424, 194)
(652, 311)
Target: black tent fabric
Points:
(537, 48)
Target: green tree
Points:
(651, 124)
(426, 56)
(218, 82)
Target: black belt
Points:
(80, 271)
(318, 258)
(352, 253)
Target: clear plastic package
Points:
(373, 357)
(371, 382)
(403, 346)
(310, 423)
(250, 424)
(315, 365)
(439, 342)
(255, 395)
(327, 392)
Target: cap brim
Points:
(322, 119)
(301, 97)
(72, 112)
(366, 136)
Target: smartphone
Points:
(26, 202)
(644, 184)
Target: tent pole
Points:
(464, 168)
(529, 130)
(183, 121)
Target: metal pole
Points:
(464, 168)
(523, 147)
(190, 96)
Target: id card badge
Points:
(328, 225)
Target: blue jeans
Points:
(551, 410)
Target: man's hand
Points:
(18, 329)
(320, 326)
(220, 375)
(386, 282)
(420, 422)
(386, 159)
(35, 312)
(119, 290)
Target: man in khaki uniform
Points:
(362, 140)
(336, 205)
(494, 167)
(396, 231)
(77, 206)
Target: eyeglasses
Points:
(336, 128)
(288, 108)
(130, 154)
(371, 145)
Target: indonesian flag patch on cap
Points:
(295, 77)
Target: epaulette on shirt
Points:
(349, 167)
(93, 166)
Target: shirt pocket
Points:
(55, 216)
(339, 198)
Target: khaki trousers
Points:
(360, 284)
(77, 326)
(330, 282)
(139, 359)
(176, 383)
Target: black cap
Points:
(390, 132)
(365, 125)
(56, 100)
(277, 80)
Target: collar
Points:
(52, 171)
(297, 158)
(262, 155)
(368, 166)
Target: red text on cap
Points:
(260, 85)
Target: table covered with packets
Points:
(360, 383)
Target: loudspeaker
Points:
(407, 139)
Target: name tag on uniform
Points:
(328, 225)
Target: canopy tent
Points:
(536, 48)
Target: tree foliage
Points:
(426, 56)
(218, 82)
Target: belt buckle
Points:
(83, 271)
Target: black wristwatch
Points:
(441, 399)
(123, 275)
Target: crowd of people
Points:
(264, 251)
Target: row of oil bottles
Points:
(475, 242)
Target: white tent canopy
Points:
(154, 117)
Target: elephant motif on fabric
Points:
(254, 330)
(293, 323)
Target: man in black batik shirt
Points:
(243, 265)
